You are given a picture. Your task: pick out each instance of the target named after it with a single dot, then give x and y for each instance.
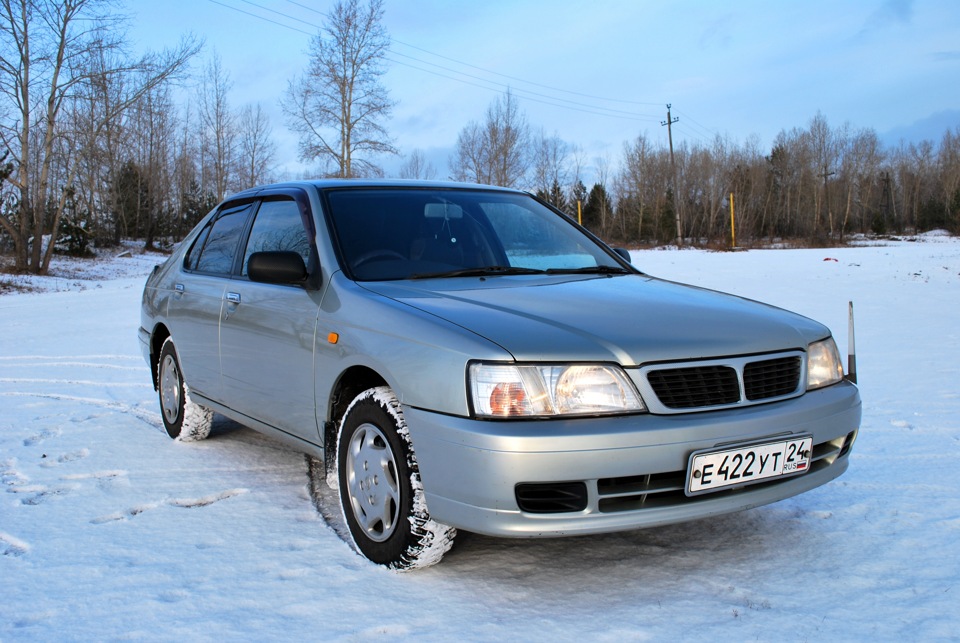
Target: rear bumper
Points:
(470, 469)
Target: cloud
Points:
(891, 12)
(717, 32)
(945, 56)
(930, 128)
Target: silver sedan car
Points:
(467, 357)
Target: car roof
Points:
(326, 184)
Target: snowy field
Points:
(111, 531)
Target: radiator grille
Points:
(686, 388)
(771, 378)
(724, 383)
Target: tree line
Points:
(96, 145)
(817, 184)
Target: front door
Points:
(268, 331)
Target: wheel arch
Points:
(159, 335)
(349, 385)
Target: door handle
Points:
(233, 297)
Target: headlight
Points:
(517, 390)
(823, 364)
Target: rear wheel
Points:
(182, 418)
(380, 491)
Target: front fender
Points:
(423, 358)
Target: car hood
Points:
(629, 319)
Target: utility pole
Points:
(887, 203)
(826, 197)
(673, 166)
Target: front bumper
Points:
(630, 465)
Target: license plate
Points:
(714, 470)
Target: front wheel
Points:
(380, 491)
(182, 418)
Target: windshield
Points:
(416, 233)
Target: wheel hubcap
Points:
(372, 484)
(170, 389)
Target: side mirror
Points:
(624, 254)
(278, 267)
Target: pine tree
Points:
(578, 194)
(598, 211)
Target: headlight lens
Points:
(824, 366)
(516, 390)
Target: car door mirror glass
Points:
(277, 267)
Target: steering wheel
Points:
(378, 253)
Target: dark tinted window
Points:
(398, 233)
(221, 245)
(278, 226)
(190, 263)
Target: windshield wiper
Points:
(589, 270)
(485, 271)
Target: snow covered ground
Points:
(111, 531)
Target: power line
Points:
(529, 95)
(279, 24)
(488, 71)
(550, 100)
(528, 82)
(703, 130)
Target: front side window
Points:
(221, 242)
(278, 227)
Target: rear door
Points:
(195, 309)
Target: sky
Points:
(599, 74)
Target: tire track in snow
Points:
(183, 503)
(23, 380)
(41, 437)
(150, 417)
(122, 364)
(11, 358)
(12, 546)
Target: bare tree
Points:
(47, 54)
(469, 162)
(219, 126)
(861, 158)
(339, 106)
(551, 163)
(633, 183)
(508, 135)
(824, 142)
(948, 168)
(417, 167)
(256, 146)
(498, 150)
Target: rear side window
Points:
(190, 263)
(220, 245)
(278, 226)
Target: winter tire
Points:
(381, 496)
(182, 418)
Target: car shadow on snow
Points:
(713, 548)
